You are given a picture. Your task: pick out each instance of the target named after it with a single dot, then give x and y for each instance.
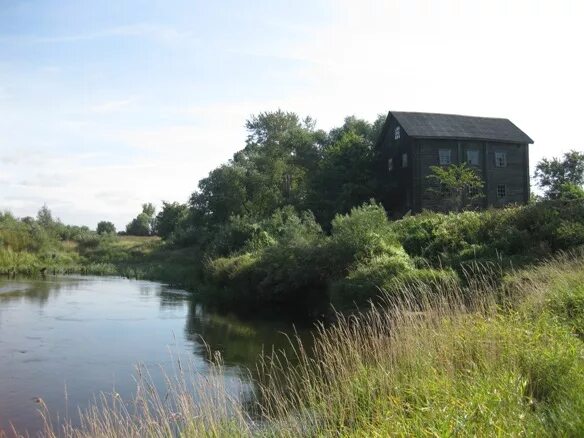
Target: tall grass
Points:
(482, 360)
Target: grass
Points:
(486, 360)
(143, 257)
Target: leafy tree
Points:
(45, 217)
(459, 185)
(148, 209)
(141, 225)
(222, 194)
(569, 191)
(552, 174)
(105, 227)
(272, 170)
(345, 175)
(169, 218)
(360, 127)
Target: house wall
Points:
(515, 176)
(398, 196)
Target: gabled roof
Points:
(427, 125)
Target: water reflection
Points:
(88, 333)
(34, 291)
(240, 342)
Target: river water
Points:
(66, 339)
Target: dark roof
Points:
(426, 125)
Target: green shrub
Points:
(370, 277)
(362, 234)
(532, 231)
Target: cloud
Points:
(116, 145)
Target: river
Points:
(67, 339)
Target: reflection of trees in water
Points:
(171, 298)
(148, 289)
(35, 291)
(240, 342)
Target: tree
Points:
(345, 176)
(168, 219)
(105, 227)
(571, 192)
(459, 185)
(148, 209)
(141, 225)
(273, 170)
(45, 217)
(552, 174)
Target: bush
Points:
(370, 277)
(533, 231)
(363, 233)
(287, 260)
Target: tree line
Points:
(287, 161)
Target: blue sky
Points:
(108, 104)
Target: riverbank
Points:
(288, 265)
(483, 360)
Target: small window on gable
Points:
(397, 133)
(501, 159)
(390, 164)
(501, 191)
(472, 157)
(473, 192)
(444, 156)
(404, 160)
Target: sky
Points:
(105, 105)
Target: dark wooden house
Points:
(410, 143)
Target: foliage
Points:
(531, 231)
(168, 220)
(271, 171)
(105, 227)
(459, 185)
(346, 174)
(275, 262)
(553, 173)
(45, 217)
(570, 192)
(361, 234)
(142, 224)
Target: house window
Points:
(444, 155)
(390, 164)
(397, 133)
(501, 191)
(473, 192)
(404, 160)
(472, 157)
(501, 159)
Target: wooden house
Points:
(410, 143)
